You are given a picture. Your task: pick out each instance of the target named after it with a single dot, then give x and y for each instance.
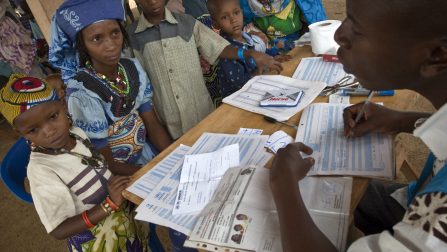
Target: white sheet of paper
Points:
(201, 173)
(315, 69)
(250, 132)
(249, 96)
(158, 205)
(242, 214)
(143, 186)
(278, 140)
(321, 127)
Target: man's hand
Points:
(378, 119)
(289, 164)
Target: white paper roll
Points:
(322, 37)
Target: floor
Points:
(19, 224)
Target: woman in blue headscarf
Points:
(108, 96)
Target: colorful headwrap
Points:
(71, 17)
(22, 93)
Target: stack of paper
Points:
(158, 205)
(322, 128)
(252, 93)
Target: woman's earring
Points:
(70, 119)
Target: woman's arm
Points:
(155, 131)
(115, 167)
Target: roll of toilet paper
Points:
(322, 36)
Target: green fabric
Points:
(275, 27)
(116, 232)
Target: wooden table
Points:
(228, 119)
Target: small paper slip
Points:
(201, 173)
(254, 91)
(278, 140)
(285, 98)
(322, 128)
(315, 69)
(339, 99)
(250, 132)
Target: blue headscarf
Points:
(71, 17)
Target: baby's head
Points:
(32, 107)
(227, 16)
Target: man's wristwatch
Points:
(419, 122)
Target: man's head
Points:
(227, 16)
(395, 44)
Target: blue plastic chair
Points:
(13, 169)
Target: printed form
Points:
(251, 94)
(157, 207)
(201, 173)
(242, 215)
(321, 127)
(144, 185)
(315, 69)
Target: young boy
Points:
(227, 17)
(378, 45)
(166, 43)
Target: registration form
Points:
(252, 93)
(201, 173)
(315, 69)
(159, 204)
(322, 128)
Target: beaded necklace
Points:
(120, 84)
(96, 161)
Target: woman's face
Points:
(104, 43)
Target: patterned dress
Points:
(111, 118)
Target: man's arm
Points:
(298, 231)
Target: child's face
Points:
(152, 8)
(104, 43)
(45, 125)
(229, 18)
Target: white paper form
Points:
(200, 176)
(328, 200)
(158, 205)
(321, 128)
(143, 186)
(242, 215)
(315, 69)
(250, 95)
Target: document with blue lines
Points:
(321, 128)
(158, 205)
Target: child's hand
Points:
(116, 186)
(283, 58)
(265, 63)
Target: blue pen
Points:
(365, 92)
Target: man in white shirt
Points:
(386, 44)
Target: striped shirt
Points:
(62, 187)
(168, 52)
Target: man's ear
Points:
(437, 62)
